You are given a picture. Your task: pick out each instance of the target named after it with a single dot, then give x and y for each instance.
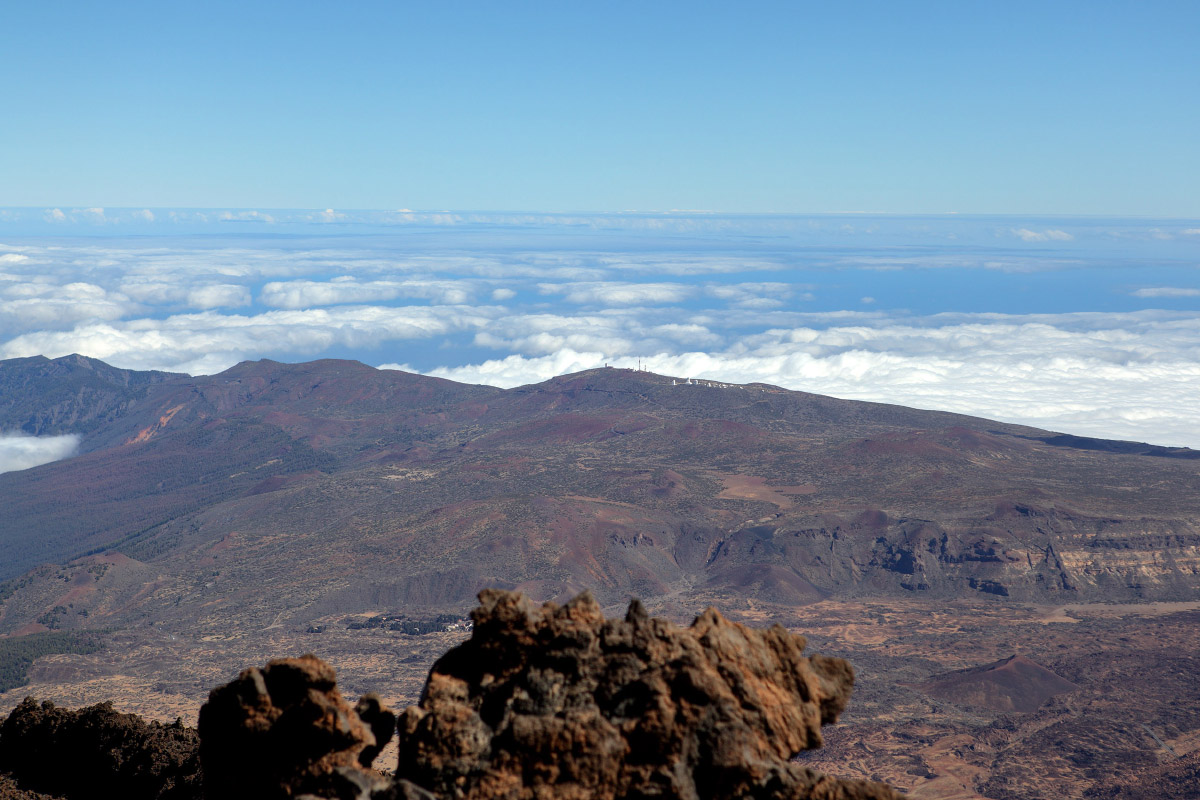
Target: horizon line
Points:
(80, 208)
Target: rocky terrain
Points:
(96, 752)
(384, 490)
(926, 678)
(277, 509)
(542, 702)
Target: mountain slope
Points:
(214, 522)
(73, 394)
(284, 493)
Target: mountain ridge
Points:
(620, 480)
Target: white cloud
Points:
(18, 451)
(154, 292)
(209, 342)
(611, 332)
(218, 296)
(1131, 376)
(309, 294)
(1166, 291)
(612, 293)
(246, 216)
(866, 300)
(998, 261)
(94, 215)
(1051, 235)
(179, 295)
(688, 265)
(41, 304)
(503, 294)
(55, 215)
(13, 258)
(756, 295)
(517, 370)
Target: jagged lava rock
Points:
(97, 752)
(558, 702)
(285, 731)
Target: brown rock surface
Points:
(542, 702)
(96, 752)
(10, 789)
(284, 730)
(558, 702)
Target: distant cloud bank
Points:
(1090, 327)
(1099, 375)
(18, 451)
(1167, 291)
(1053, 235)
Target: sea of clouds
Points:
(1084, 326)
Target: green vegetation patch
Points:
(18, 653)
(407, 625)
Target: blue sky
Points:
(916, 107)
(989, 208)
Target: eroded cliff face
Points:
(1024, 552)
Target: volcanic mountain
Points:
(278, 494)
(1015, 683)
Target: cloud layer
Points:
(1113, 376)
(934, 314)
(18, 451)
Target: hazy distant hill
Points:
(281, 493)
(73, 394)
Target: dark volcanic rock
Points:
(11, 790)
(97, 752)
(1177, 779)
(557, 701)
(284, 730)
(1011, 684)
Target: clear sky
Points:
(500, 192)
(911, 107)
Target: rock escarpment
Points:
(557, 701)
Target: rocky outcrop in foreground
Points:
(97, 752)
(557, 701)
(284, 730)
(542, 702)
